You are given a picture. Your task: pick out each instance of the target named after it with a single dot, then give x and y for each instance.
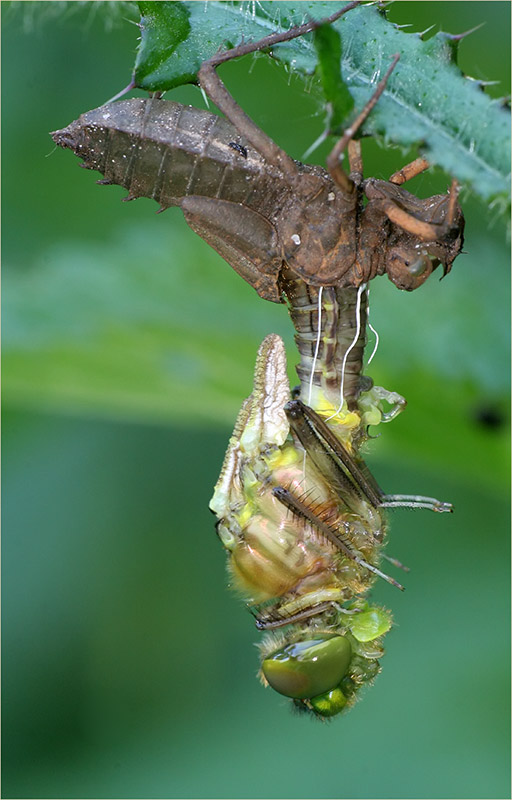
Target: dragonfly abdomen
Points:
(330, 327)
(167, 151)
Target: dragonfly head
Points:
(322, 670)
(423, 234)
(409, 266)
(310, 673)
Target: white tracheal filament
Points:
(317, 347)
(313, 365)
(351, 347)
(377, 338)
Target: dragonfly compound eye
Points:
(310, 668)
(329, 703)
(407, 268)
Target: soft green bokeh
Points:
(128, 667)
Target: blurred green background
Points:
(128, 667)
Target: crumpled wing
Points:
(261, 424)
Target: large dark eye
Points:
(330, 703)
(417, 267)
(306, 669)
(407, 268)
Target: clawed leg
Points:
(328, 462)
(410, 171)
(425, 231)
(341, 470)
(217, 92)
(273, 618)
(336, 171)
(278, 615)
(302, 510)
(355, 161)
(395, 562)
(415, 501)
(330, 457)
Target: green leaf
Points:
(163, 26)
(428, 102)
(327, 43)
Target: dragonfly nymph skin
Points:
(258, 221)
(302, 520)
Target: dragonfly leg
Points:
(425, 231)
(396, 562)
(355, 161)
(410, 171)
(302, 510)
(310, 427)
(217, 92)
(320, 455)
(336, 171)
(279, 615)
(415, 501)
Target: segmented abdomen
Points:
(167, 151)
(340, 345)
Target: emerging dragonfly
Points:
(299, 512)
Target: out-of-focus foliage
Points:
(128, 668)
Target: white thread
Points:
(205, 97)
(351, 347)
(377, 338)
(313, 365)
(317, 347)
(323, 136)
